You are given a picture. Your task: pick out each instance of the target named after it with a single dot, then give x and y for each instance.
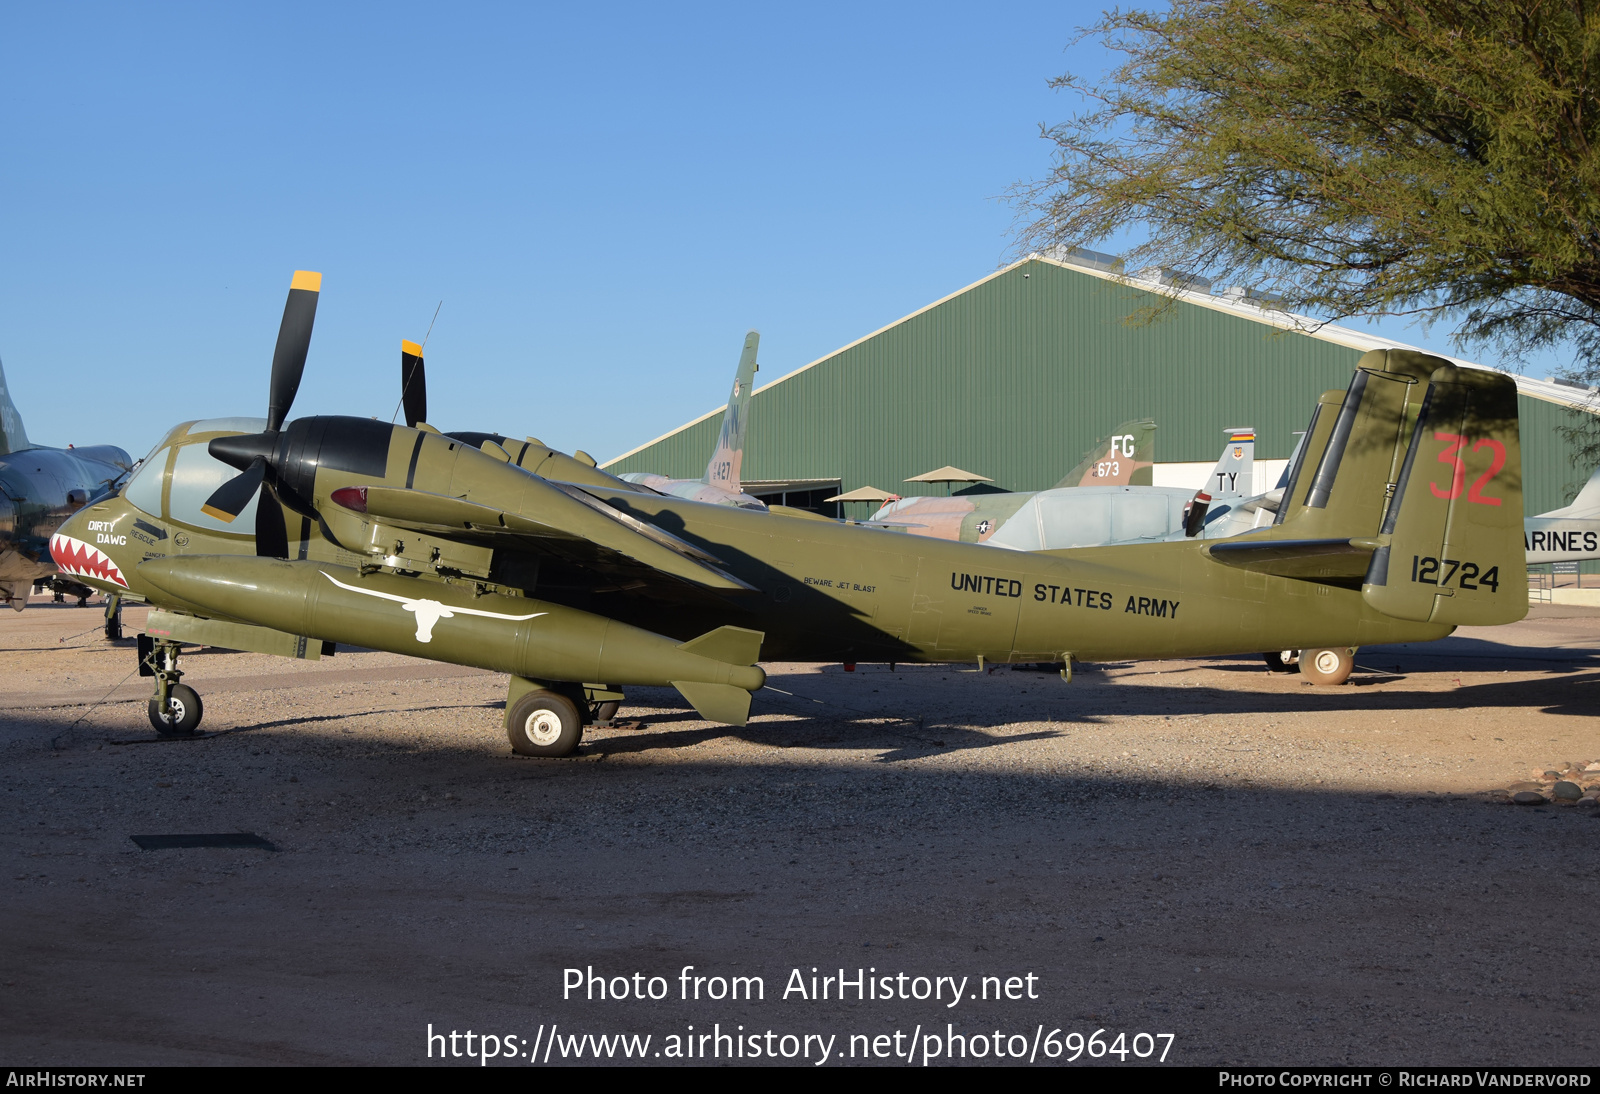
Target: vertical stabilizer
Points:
(727, 458)
(1235, 472)
(13, 438)
(1451, 547)
(1358, 450)
(1125, 458)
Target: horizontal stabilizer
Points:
(717, 702)
(730, 645)
(1309, 559)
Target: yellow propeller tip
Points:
(410, 347)
(307, 280)
(224, 517)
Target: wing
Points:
(573, 527)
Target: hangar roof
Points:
(1238, 302)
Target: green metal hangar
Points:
(1016, 375)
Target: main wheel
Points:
(1276, 663)
(1328, 666)
(543, 723)
(186, 708)
(606, 711)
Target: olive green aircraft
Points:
(403, 539)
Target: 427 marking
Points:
(1426, 570)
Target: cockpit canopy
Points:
(180, 474)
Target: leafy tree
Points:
(1438, 158)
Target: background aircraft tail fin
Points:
(1235, 473)
(1450, 549)
(1586, 505)
(13, 437)
(727, 458)
(1125, 458)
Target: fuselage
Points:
(39, 489)
(822, 591)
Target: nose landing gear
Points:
(175, 709)
(114, 618)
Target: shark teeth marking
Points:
(73, 556)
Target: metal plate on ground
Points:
(237, 840)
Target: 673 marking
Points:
(1426, 570)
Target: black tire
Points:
(1275, 662)
(605, 712)
(114, 626)
(1327, 667)
(543, 723)
(187, 710)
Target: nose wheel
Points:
(175, 709)
(114, 619)
(182, 715)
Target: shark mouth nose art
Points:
(73, 556)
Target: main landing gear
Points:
(547, 719)
(1328, 666)
(175, 709)
(114, 618)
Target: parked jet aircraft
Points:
(1082, 511)
(411, 541)
(39, 488)
(1123, 458)
(720, 484)
(1569, 534)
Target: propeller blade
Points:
(229, 499)
(413, 383)
(294, 341)
(272, 538)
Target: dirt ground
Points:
(1266, 871)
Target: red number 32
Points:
(1454, 443)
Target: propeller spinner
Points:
(253, 453)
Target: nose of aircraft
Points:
(79, 547)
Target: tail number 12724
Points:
(1442, 571)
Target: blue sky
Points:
(605, 198)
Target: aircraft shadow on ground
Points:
(939, 715)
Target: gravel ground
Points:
(1269, 872)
